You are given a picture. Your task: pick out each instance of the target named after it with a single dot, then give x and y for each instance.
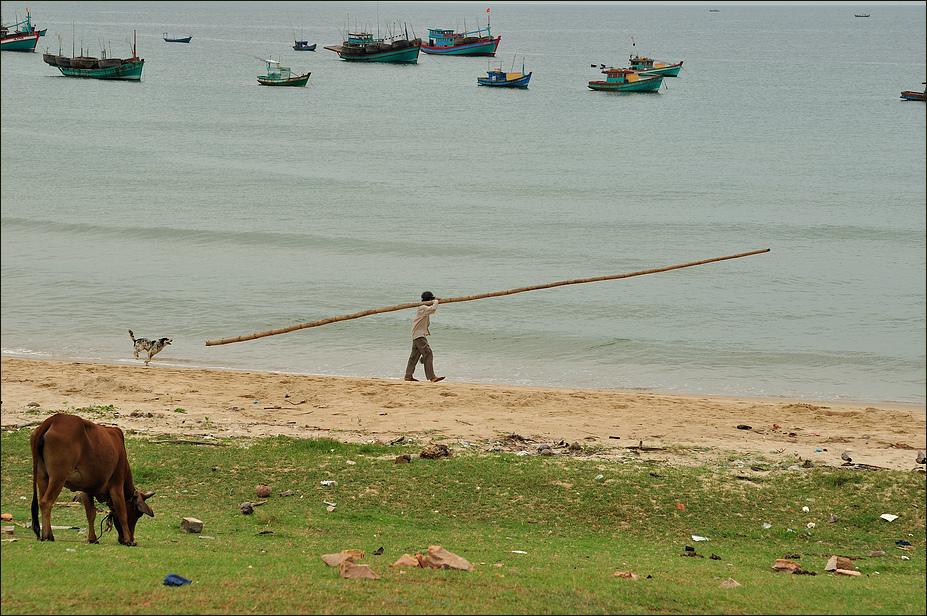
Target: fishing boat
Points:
(913, 95)
(303, 46)
(649, 66)
(862, 15)
(21, 36)
(479, 42)
(500, 79)
(279, 75)
(714, 10)
(626, 80)
(362, 47)
(176, 39)
(129, 69)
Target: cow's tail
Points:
(131, 335)
(38, 445)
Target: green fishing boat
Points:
(129, 69)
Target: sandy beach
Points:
(679, 429)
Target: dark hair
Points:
(427, 296)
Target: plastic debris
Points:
(329, 482)
(888, 517)
(172, 579)
(697, 538)
(767, 525)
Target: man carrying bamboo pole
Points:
(420, 348)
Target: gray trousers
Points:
(420, 349)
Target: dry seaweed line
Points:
(357, 315)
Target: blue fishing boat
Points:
(362, 47)
(176, 39)
(626, 80)
(303, 46)
(862, 15)
(501, 79)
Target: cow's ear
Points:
(141, 505)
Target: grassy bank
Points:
(545, 534)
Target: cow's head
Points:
(135, 508)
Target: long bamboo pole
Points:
(451, 300)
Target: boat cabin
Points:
(621, 75)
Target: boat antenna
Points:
(488, 33)
(72, 38)
(633, 45)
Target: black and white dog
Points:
(152, 347)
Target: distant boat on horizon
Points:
(177, 39)
(862, 15)
(714, 10)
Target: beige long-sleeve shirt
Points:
(423, 320)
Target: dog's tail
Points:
(132, 335)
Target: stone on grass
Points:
(730, 583)
(876, 554)
(847, 572)
(352, 571)
(628, 575)
(191, 525)
(839, 562)
(335, 560)
(406, 560)
(439, 558)
(355, 554)
(786, 566)
(262, 490)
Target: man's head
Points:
(427, 296)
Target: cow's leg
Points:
(118, 507)
(48, 494)
(91, 510)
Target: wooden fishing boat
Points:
(279, 75)
(649, 66)
(21, 36)
(479, 42)
(129, 69)
(626, 80)
(451, 43)
(913, 95)
(303, 46)
(500, 79)
(176, 39)
(862, 15)
(362, 47)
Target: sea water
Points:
(198, 205)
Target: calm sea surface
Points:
(198, 205)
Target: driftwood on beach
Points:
(451, 300)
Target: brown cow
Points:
(68, 451)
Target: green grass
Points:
(575, 530)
